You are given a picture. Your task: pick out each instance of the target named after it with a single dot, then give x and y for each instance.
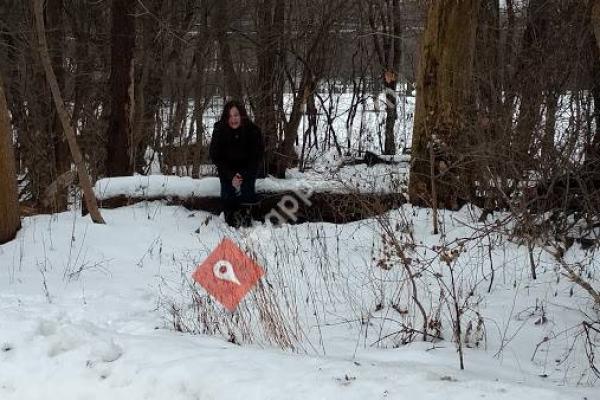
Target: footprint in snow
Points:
(105, 352)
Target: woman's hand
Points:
(237, 181)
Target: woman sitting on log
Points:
(237, 149)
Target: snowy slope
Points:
(86, 314)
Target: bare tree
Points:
(57, 199)
(121, 83)
(270, 29)
(203, 91)
(39, 153)
(84, 179)
(444, 104)
(148, 84)
(221, 26)
(10, 222)
(538, 50)
(596, 18)
(312, 50)
(384, 18)
(86, 79)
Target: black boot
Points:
(233, 218)
(246, 216)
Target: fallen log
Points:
(286, 206)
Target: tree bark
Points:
(487, 66)
(84, 179)
(270, 32)
(593, 151)
(57, 201)
(10, 222)
(121, 85)
(554, 35)
(305, 90)
(391, 114)
(494, 117)
(444, 104)
(202, 93)
(385, 21)
(148, 87)
(233, 86)
(531, 83)
(596, 20)
(32, 115)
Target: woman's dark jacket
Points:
(238, 150)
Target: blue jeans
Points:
(233, 200)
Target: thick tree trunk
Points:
(391, 115)
(121, 86)
(57, 201)
(494, 117)
(32, 115)
(233, 86)
(596, 19)
(392, 98)
(531, 84)
(487, 66)
(593, 151)
(509, 51)
(270, 31)
(10, 222)
(444, 107)
(84, 180)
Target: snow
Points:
(155, 186)
(87, 314)
(346, 179)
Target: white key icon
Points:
(224, 270)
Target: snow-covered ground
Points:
(89, 312)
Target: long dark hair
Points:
(240, 106)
